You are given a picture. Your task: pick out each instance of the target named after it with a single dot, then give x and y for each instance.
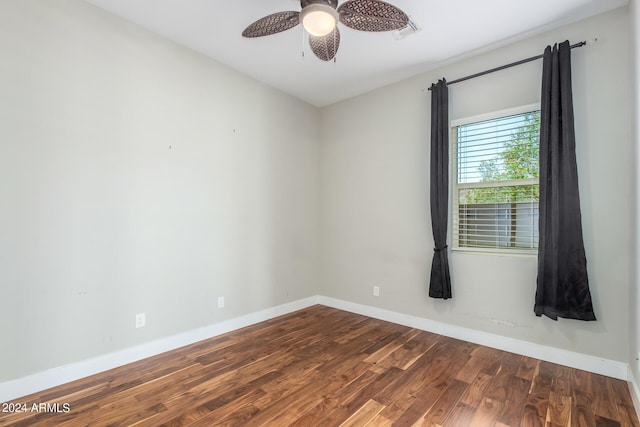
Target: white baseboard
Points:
(61, 375)
(610, 368)
(634, 389)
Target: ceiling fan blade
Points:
(272, 24)
(372, 15)
(325, 47)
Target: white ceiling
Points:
(450, 29)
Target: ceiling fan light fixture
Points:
(319, 19)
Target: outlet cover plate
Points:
(141, 320)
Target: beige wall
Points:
(376, 228)
(634, 336)
(138, 176)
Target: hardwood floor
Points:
(326, 367)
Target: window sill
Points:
(517, 253)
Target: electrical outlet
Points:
(376, 291)
(220, 302)
(141, 320)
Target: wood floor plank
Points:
(558, 410)
(536, 405)
(330, 403)
(534, 411)
(364, 415)
(392, 346)
(379, 421)
(476, 391)
(224, 405)
(526, 368)
(481, 359)
(582, 393)
(422, 404)
(518, 393)
(441, 374)
(561, 383)
(604, 403)
(606, 422)
(326, 367)
(374, 389)
(460, 416)
(487, 413)
(429, 368)
(440, 410)
(399, 406)
(498, 387)
(405, 356)
(626, 411)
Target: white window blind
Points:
(496, 191)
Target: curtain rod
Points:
(513, 64)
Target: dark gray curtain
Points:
(563, 286)
(440, 284)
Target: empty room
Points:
(319, 213)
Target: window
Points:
(496, 190)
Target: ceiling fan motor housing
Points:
(332, 3)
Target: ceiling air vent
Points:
(407, 30)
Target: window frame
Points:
(454, 205)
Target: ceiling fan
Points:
(320, 17)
